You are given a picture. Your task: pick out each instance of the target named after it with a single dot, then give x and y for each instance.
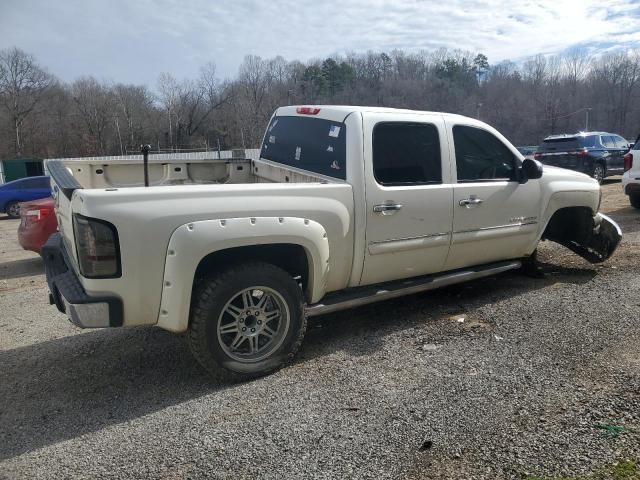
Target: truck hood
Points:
(557, 173)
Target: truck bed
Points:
(179, 169)
(183, 193)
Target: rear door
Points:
(495, 216)
(408, 196)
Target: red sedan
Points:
(38, 221)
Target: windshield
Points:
(311, 144)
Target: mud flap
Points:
(597, 245)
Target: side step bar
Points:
(358, 296)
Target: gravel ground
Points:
(542, 378)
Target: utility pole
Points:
(586, 123)
(119, 137)
(478, 107)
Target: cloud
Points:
(135, 41)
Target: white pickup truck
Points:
(631, 176)
(345, 206)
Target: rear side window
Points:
(590, 141)
(406, 154)
(481, 156)
(312, 144)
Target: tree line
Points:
(43, 117)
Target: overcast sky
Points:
(133, 41)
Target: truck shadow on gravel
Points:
(21, 268)
(64, 388)
(375, 321)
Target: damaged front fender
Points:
(594, 238)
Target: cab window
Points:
(480, 156)
(406, 153)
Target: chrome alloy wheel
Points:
(598, 173)
(253, 324)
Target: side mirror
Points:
(530, 170)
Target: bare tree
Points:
(22, 86)
(95, 107)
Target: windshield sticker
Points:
(334, 131)
(272, 139)
(275, 122)
(298, 153)
(329, 148)
(335, 165)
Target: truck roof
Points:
(338, 112)
(578, 134)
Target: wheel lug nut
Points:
(248, 312)
(242, 320)
(259, 322)
(253, 330)
(257, 313)
(244, 329)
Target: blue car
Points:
(22, 190)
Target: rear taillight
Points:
(308, 110)
(537, 156)
(628, 161)
(97, 247)
(37, 214)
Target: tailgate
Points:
(63, 184)
(561, 159)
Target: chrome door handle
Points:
(470, 201)
(386, 208)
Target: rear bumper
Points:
(34, 237)
(67, 294)
(29, 240)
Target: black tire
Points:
(12, 209)
(211, 302)
(599, 172)
(635, 200)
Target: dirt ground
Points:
(540, 379)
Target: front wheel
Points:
(598, 172)
(248, 319)
(13, 209)
(635, 200)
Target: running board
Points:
(358, 296)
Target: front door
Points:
(408, 196)
(495, 217)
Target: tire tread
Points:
(204, 295)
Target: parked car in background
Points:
(22, 190)
(631, 177)
(38, 222)
(528, 152)
(598, 154)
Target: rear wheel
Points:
(635, 200)
(598, 172)
(13, 209)
(248, 319)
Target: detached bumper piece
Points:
(598, 244)
(67, 294)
